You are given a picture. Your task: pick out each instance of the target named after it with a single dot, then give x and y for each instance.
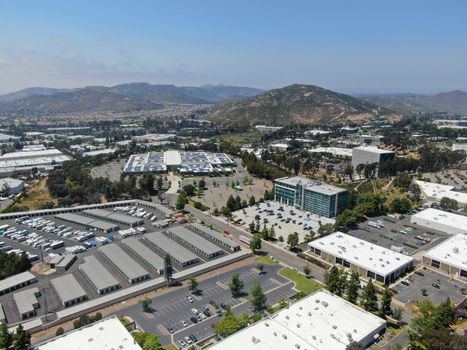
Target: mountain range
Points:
(294, 104)
(119, 98)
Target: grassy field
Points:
(265, 259)
(302, 283)
(35, 195)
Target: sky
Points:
(347, 45)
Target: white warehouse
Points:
(449, 257)
(440, 220)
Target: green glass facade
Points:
(305, 198)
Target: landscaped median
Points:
(302, 283)
(265, 259)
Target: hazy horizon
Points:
(348, 46)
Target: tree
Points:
(257, 298)
(385, 307)
(342, 283)
(146, 304)
(22, 339)
(252, 201)
(400, 205)
(236, 285)
(326, 229)
(307, 270)
(255, 243)
(260, 268)
(193, 286)
(448, 204)
(230, 324)
(202, 184)
(349, 171)
(168, 269)
(292, 240)
(59, 331)
(309, 236)
(354, 346)
(352, 287)
(332, 279)
(5, 337)
(181, 201)
(189, 190)
(369, 298)
(147, 341)
(232, 203)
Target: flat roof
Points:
(97, 273)
(337, 151)
(195, 240)
(359, 252)
(438, 191)
(105, 334)
(172, 158)
(26, 300)
(452, 251)
(129, 267)
(455, 221)
(320, 321)
(67, 258)
(104, 214)
(144, 252)
(163, 209)
(15, 280)
(167, 245)
(71, 217)
(68, 288)
(310, 184)
(372, 149)
(215, 235)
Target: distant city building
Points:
(370, 155)
(321, 321)
(459, 147)
(265, 128)
(182, 162)
(449, 257)
(369, 260)
(279, 146)
(9, 186)
(8, 138)
(311, 195)
(26, 160)
(434, 192)
(335, 151)
(154, 137)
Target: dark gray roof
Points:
(195, 240)
(79, 219)
(15, 280)
(67, 258)
(25, 300)
(150, 257)
(68, 288)
(215, 235)
(121, 218)
(97, 273)
(167, 245)
(129, 267)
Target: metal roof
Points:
(15, 280)
(129, 267)
(150, 257)
(179, 253)
(26, 300)
(215, 235)
(78, 219)
(97, 273)
(120, 218)
(67, 258)
(68, 288)
(194, 240)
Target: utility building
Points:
(195, 242)
(69, 290)
(98, 276)
(163, 244)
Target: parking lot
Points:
(171, 309)
(437, 288)
(398, 232)
(285, 219)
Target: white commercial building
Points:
(335, 151)
(440, 220)
(369, 155)
(449, 257)
(435, 192)
(9, 186)
(265, 128)
(26, 160)
(368, 259)
(322, 321)
(106, 334)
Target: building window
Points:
(436, 264)
(379, 278)
(370, 274)
(463, 273)
(339, 261)
(346, 263)
(317, 251)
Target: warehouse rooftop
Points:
(452, 252)
(68, 288)
(15, 280)
(456, 221)
(195, 240)
(130, 268)
(171, 247)
(370, 256)
(97, 273)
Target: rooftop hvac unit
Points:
(255, 340)
(266, 324)
(334, 326)
(275, 334)
(297, 346)
(456, 250)
(325, 303)
(298, 325)
(284, 336)
(309, 314)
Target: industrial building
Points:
(8, 138)
(69, 290)
(163, 210)
(27, 302)
(183, 162)
(215, 237)
(163, 244)
(369, 260)
(9, 186)
(449, 257)
(195, 242)
(115, 218)
(109, 333)
(311, 195)
(22, 161)
(320, 321)
(98, 276)
(87, 222)
(144, 253)
(266, 128)
(65, 263)
(434, 192)
(123, 263)
(370, 155)
(15, 282)
(440, 220)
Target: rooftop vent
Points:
(334, 326)
(297, 346)
(266, 324)
(325, 303)
(255, 340)
(284, 336)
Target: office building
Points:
(449, 257)
(370, 155)
(440, 220)
(311, 195)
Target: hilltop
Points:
(294, 104)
